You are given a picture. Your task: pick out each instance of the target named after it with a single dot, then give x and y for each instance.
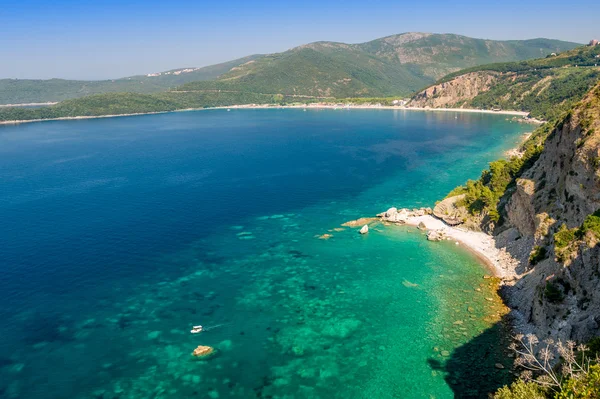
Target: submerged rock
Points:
(364, 229)
(325, 236)
(203, 351)
(358, 222)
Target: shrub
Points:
(537, 255)
(521, 390)
(563, 239)
(582, 386)
(590, 224)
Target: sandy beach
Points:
(481, 244)
(387, 107)
(271, 106)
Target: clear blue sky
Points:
(108, 39)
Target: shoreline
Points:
(481, 245)
(271, 106)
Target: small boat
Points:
(228, 109)
(196, 329)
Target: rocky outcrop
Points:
(364, 229)
(456, 92)
(449, 210)
(394, 215)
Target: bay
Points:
(119, 234)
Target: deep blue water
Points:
(116, 235)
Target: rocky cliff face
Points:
(456, 92)
(558, 298)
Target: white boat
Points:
(196, 329)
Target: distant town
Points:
(178, 72)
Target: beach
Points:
(481, 244)
(271, 106)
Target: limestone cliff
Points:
(455, 93)
(557, 297)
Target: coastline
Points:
(271, 106)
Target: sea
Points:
(118, 235)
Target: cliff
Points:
(545, 87)
(544, 212)
(547, 227)
(455, 93)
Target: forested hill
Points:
(545, 87)
(24, 91)
(390, 66)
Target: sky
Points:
(41, 39)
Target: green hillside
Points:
(545, 87)
(390, 66)
(23, 91)
(394, 65)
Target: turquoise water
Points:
(118, 235)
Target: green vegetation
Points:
(376, 68)
(521, 390)
(585, 386)
(537, 255)
(482, 196)
(132, 103)
(545, 87)
(582, 56)
(546, 94)
(23, 91)
(567, 241)
(373, 69)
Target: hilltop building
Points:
(593, 42)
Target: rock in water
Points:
(422, 226)
(436, 235)
(364, 229)
(203, 351)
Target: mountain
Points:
(390, 66)
(23, 91)
(545, 87)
